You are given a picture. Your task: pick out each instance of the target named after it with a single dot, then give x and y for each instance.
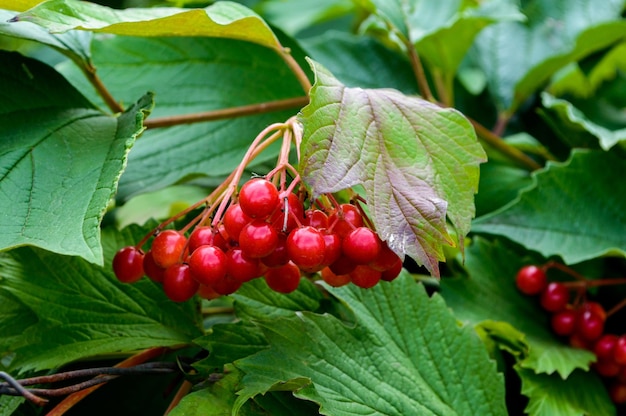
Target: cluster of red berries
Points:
(266, 233)
(581, 321)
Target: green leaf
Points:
(519, 58)
(9, 404)
(223, 19)
(571, 210)
(499, 184)
(190, 75)
(82, 310)
(488, 293)
(76, 45)
(61, 160)
(575, 120)
(405, 354)
(581, 394)
(417, 162)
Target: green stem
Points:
(285, 54)
(223, 113)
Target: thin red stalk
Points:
(616, 308)
(565, 269)
(285, 54)
(184, 389)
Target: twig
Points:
(285, 54)
(418, 70)
(21, 391)
(94, 79)
(223, 113)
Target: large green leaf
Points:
(190, 75)
(574, 209)
(417, 162)
(405, 354)
(488, 293)
(520, 57)
(224, 19)
(61, 159)
(575, 120)
(581, 394)
(82, 310)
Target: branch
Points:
(418, 70)
(94, 79)
(505, 148)
(232, 112)
(297, 70)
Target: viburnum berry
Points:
(619, 351)
(227, 285)
(207, 292)
(589, 325)
(554, 297)
(128, 264)
(258, 239)
(617, 392)
(316, 219)
(258, 198)
(167, 248)
(531, 280)
(385, 260)
(205, 236)
(606, 368)
(234, 221)
(278, 257)
(283, 279)
(151, 269)
(332, 248)
(564, 322)
(306, 247)
(604, 347)
(207, 264)
(393, 272)
(178, 284)
(364, 276)
(335, 280)
(295, 213)
(361, 245)
(343, 265)
(241, 267)
(345, 219)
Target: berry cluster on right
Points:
(580, 321)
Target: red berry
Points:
(332, 248)
(619, 351)
(207, 292)
(178, 284)
(393, 272)
(227, 285)
(617, 391)
(386, 259)
(554, 297)
(345, 219)
(564, 322)
(316, 219)
(283, 279)
(241, 267)
(234, 221)
(577, 341)
(258, 198)
(258, 239)
(306, 247)
(205, 236)
(604, 346)
(362, 245)
(364, 276)
(589, 325)
(335, 280)
(278, 257)
(151, 269)
(606, 368)
(595, 308)
(128, 264)
(343, 265)
(295, 213)
(531, 280)
(207, 264)
(167, 248)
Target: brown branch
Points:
(505, 148)
(285, 54)
(418, 70)
(232, 112)
(94, 79)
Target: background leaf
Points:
(519, 57)
(190, 75)
(491, 270)
(417, 162)
(405, 354)
(223, 19)
(61, 160)
(581, 394)
(82, 310)
(573, 210)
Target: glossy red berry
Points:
(335, 280)
(393, 272)
(606, 368)
(234, 221)
(207, 292)
(205, 236)
(617, 392)
(564, 322)
(531, 280)
(332, 248)
(343, 265)
(151, 269)
(278, 257)
(295, 214)
(283, 279)
(361, 245)
(241, 267)
(345, 219)
(589, 325)
(258, 198)
(604, 347)
(128, 264)
(306, 247)
(178, 284)
(167, 248)
(208, 264)
(316, 219)
(364, 276)
(258, 239)
(619, 351)
(227, 285)
(554, 297)
(385, 260)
